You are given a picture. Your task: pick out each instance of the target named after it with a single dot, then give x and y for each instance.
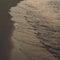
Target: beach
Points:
(30, 30)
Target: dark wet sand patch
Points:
(6, 28)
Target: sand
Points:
(32, 29)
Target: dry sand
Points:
(36, 30)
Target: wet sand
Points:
(6, 29)
(30, 30)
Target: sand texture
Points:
(35, 26)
